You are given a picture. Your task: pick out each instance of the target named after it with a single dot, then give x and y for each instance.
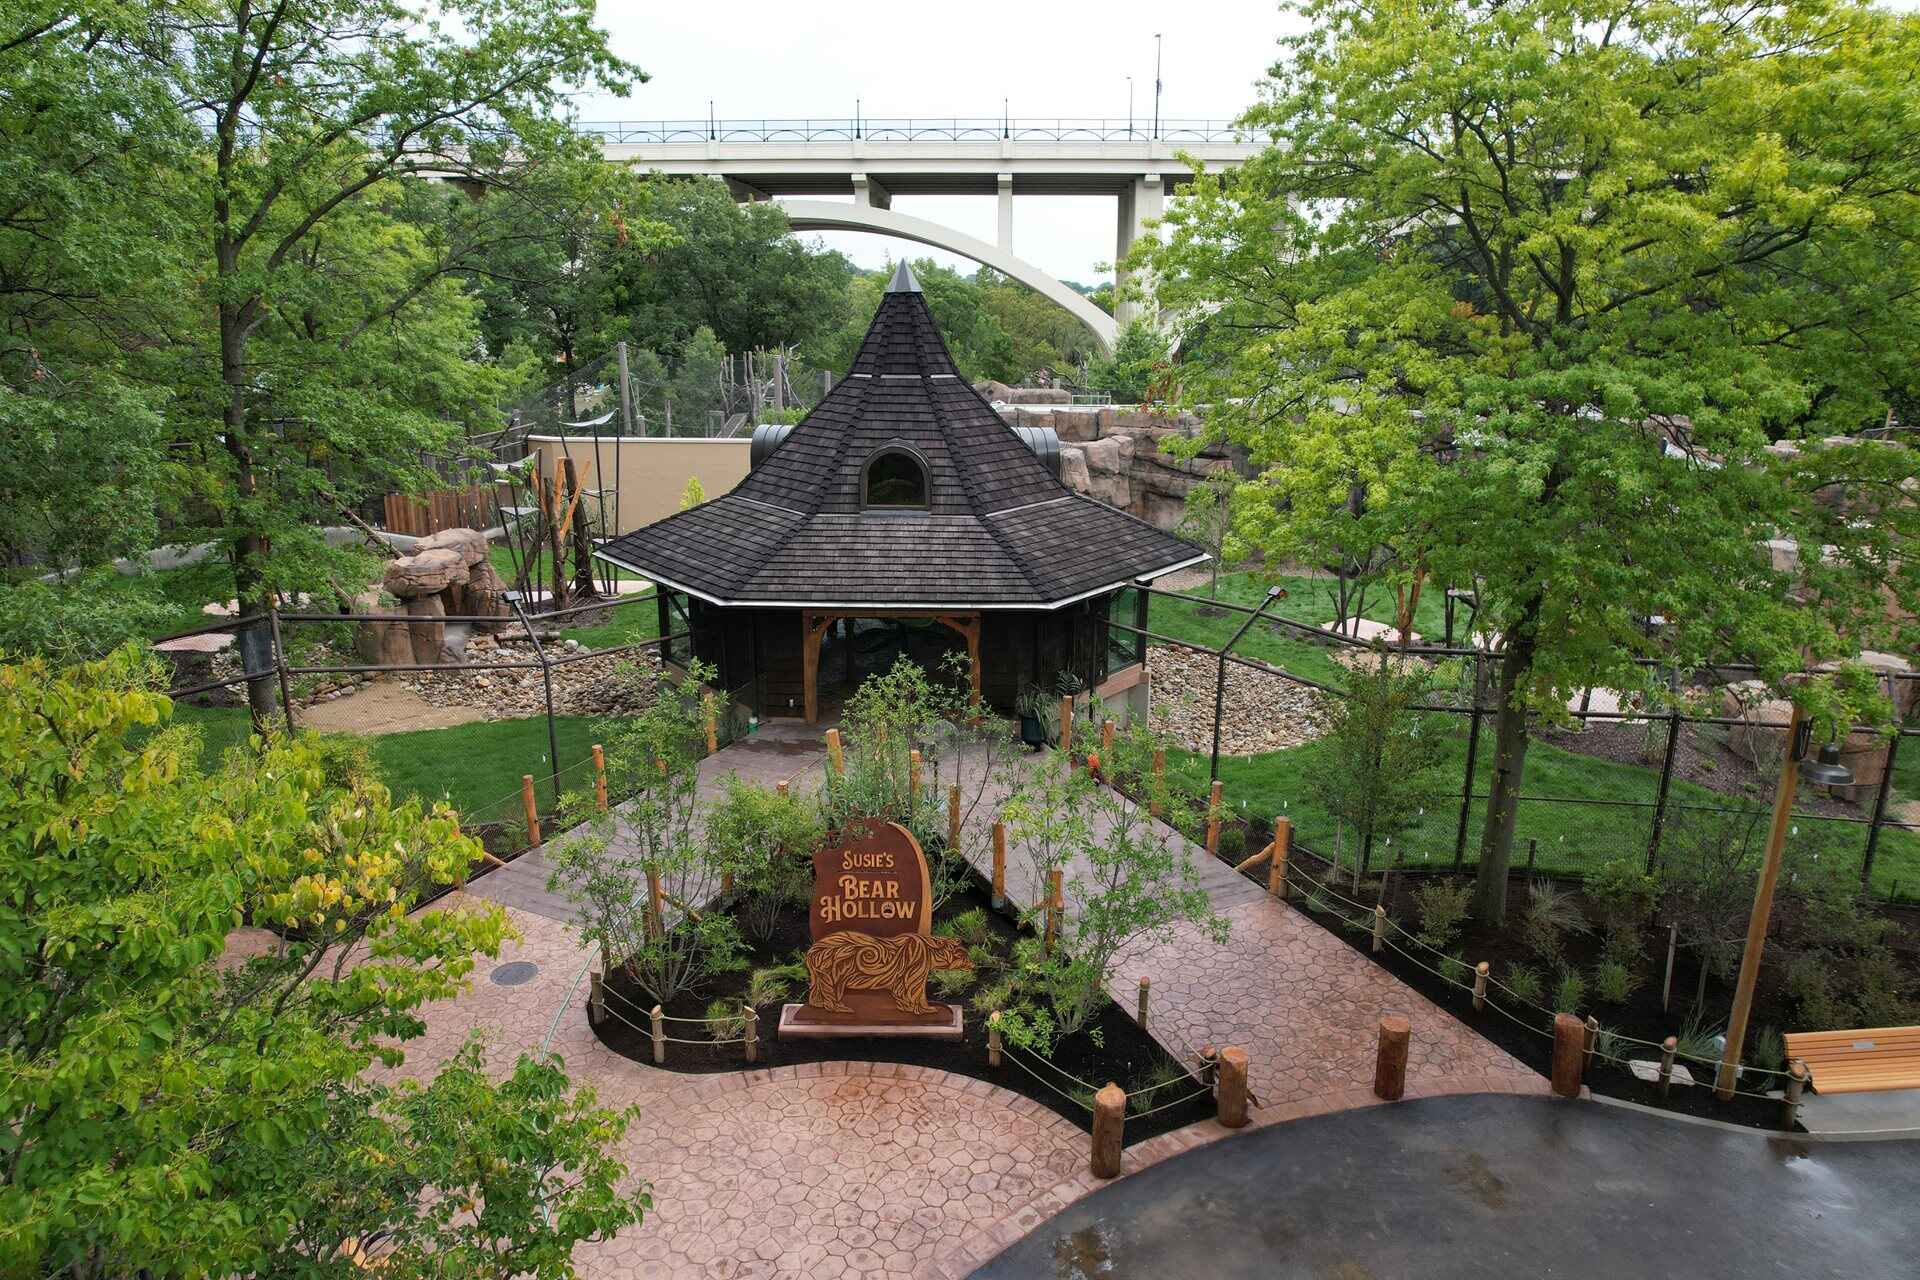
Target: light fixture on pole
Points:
(1129, 107)
(1156, 86)
(1826, 771)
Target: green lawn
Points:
(1568, 837)
(476, 767)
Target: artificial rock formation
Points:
(1114, 455)
(447, 574)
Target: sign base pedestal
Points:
(799, 1022)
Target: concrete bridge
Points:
(1135, 163)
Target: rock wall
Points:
(1116, 455)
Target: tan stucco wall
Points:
(652, 473)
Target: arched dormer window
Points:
(895, 478)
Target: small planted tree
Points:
(1128, 880)
(763, 839)
(637, 873)
(1379, 763)
(1208, 520)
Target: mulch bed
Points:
(1111, 1048)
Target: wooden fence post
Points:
(1109, 1130)
(659, 1036)
(953, 820)
(913, 779)
(1277, 869)
(999, 865)
(1790, 1104)
(1668, 1048)
(835, 760)
(1106, 742)
(752, 1034)
(780, 788)
(599, 778)
(1230, 1087)
(1066, 724)
(1569, 1054)
(713, 733)
(1480, 972)
(1145, 984)
(656, 919)
(1055, 901)
(1159, 780)
(1379, 929)
(993, 1039)
(533, 810)
(596, 999)
(1213, 821)
(1390, 1061)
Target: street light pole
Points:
(1220, 677)
(1156, 86)
(1762, 909)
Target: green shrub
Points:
(1623, 943)
(726, 1020)
(994, 997)
(972, 926)
(1525, 983)
(1162, 1080)
(1769, 1052)
(950, 983)
(1455, 969)
(1551, 915)
(1613, 982)
(768, 986)
(1623, 893)
(1570, 992)
(763, 838)
(1444, 905)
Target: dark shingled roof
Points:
(998, 529)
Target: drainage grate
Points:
(513, 973)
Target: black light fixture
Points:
(1825, 770)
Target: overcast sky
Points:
(756, 59)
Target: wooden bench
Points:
(1860, 1061)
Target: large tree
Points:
(172, 1108)
(1562, 296)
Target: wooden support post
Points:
(713, 732)
(999, 865)
(1379, 929)
(1480, 972)
(993, 1039)
(1230, 1087)
(1109, 1130)
(659, 1036)
(752, 1034)
(1159, 780)
(1055, 902)
(599, 778)
(780, 789)
(1668, 1047)
(1589, 1038)
(1106, 741)
(1277, 869)
(1666, 988)
(953, 820)
(835, 761)
(1390, 1061)
(1145, 984)
(1213, 821)
(656, 919)
(1790, 1105)
(596, 999)
(913, 779)
(726, 883)
(1569, 1054)
(1066, 724)
(533, 810)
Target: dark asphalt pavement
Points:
(1490, 1186)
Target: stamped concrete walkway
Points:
(873, 1170)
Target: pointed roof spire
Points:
(903, 280)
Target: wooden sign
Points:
(873, 943)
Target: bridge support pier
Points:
(1144, 200)
(1005, 186)
(870, 193)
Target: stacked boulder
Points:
(447, 574)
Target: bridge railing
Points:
(915, 129)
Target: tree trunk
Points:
(248, 546)
(1509, 761)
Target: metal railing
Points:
(909, 129)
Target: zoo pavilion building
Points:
(901, 518)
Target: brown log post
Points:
(1668, 1047)
(913, 779)
(999, 865)
(656, 919)
(1159, 781)
(713, 732)
(1379, 929)
(1055, 901)
(1569, 1054)
(993, 1039)
(599, 778)
(533, 809)
(1106, 741)
(1109, 1130)
(1146, 984)
(752, 1034)
(834, 759)
(596, 999)
(1480, 972)
(1213, 821)
(1390, 1062)
(780, 788)
(1277, 869)
(1230, 1091)
(953, 819)
(1790, 1104)
(659, 1036)
(1589, 1040)
(1066, 724)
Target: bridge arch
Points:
(831, 215)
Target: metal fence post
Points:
(546, 681)
(1466, 790)
(280, 666)
(1666, 784)
(1879, 812)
